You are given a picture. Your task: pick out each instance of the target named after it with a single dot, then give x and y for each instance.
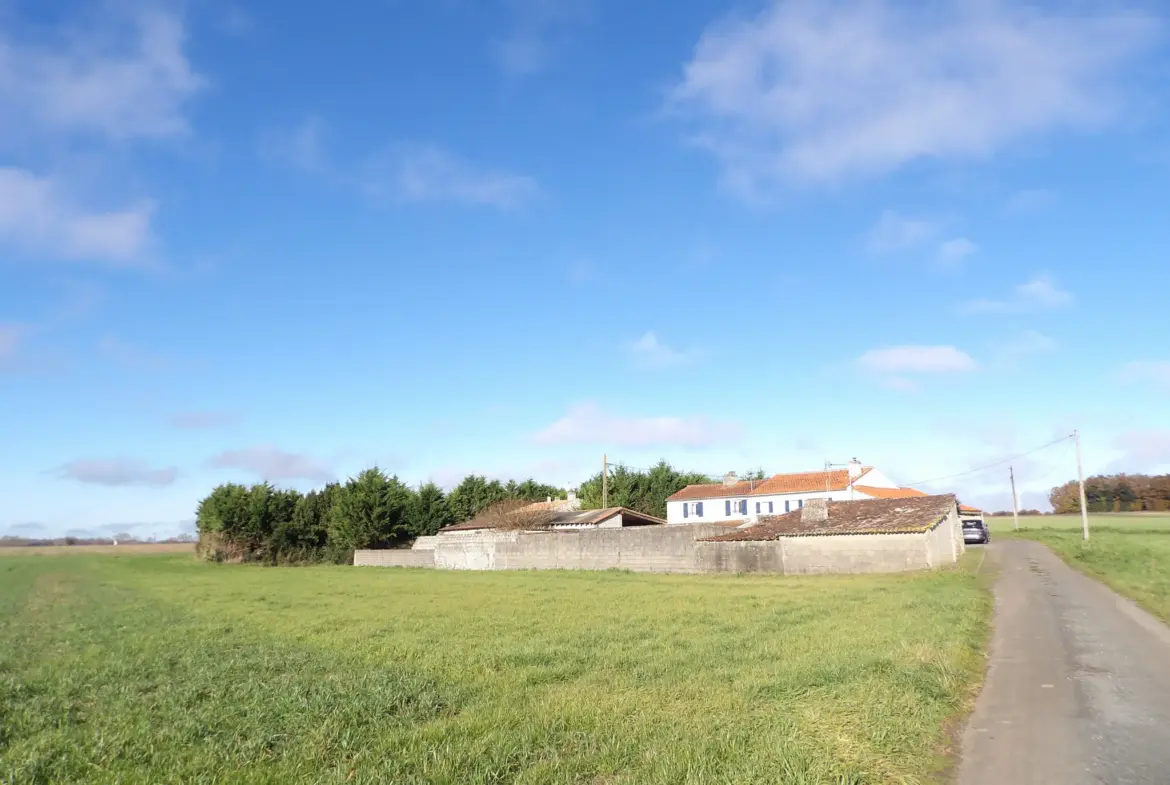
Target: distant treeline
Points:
(273, 525)
(1115, 493)
(35, 542)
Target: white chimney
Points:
(854, 470)
(814, 511)
(730, 479)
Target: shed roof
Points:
(567, 518)
(801, 482)
(888, 493)
(873, 516)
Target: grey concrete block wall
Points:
(737, 557)
(854, 553)
(394, 558)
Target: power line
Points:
(990, 465)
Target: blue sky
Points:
(266, 240)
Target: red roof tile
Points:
(803, 482)
(872, 516)
(564, 518)
(888, 493)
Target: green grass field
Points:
(1134, 561)
(151, 669)
(1149, 521)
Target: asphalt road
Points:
(1078, 688)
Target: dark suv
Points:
(976, 531)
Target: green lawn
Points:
(1118, 520)
(149, 669)
(1135, 562)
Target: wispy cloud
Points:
(131, 356)
(589, 424)
(650, 352)
(535, 26)
(270, 463)
(119, 72)
(1144, 451)
(1156, 372)
(1027, 344)
(897, 233)
(11, 337)
(1030, 200)
(424, 173)
(116, 472)
(39, 218)
(1040, 293)
(952, 253)
(917, 360)
(202, 420)
(812, 92)
(302, 146)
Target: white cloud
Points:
(116, 472)
(269, 463)
(120, 76)
(1144, 451)
(953, 252)
(423, 173)
(202, 420)
(589, 424)
(815, 92)
(918, 360)
(1030, 200)
(649, 352)
(302, 146)
(1040, 293)
(38, 217)
(1156, 372)
(896, 233)
(1026, 344)
(535, 28)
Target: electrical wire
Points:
(988, 466)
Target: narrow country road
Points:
(1078, 688)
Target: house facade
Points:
(746, 500)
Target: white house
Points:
(744, 500)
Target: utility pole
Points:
(1015, 502)
(1081, 480)
(604, 482)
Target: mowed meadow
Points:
(148, 669)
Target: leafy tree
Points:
(427, 511)
(643, 491)
(369, 511)
(307, 528)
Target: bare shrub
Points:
(519, 515)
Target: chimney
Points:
(730, 479)
(548, 500)
(854, 470)
(814, 511)
(572, 496)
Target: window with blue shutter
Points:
(743, 507)
(769, 506)
(727, 507)
(800, 503)
(757, 508)
(787, 506)
(686, 509)
(699, 509)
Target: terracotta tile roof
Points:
(803, 482)
(888, 493)
(874, 516)
(566, 518)
(965, 508)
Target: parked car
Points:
(976, 531)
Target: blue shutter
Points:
(801, 503)
(699, 509)
(743, 507)
(769, 507)
(757, 508)
(787, 506)
(727, 507)
(685, 511)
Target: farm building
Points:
(746, 500)
(876, 535)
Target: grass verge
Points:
(159, 668)
(1135, 563)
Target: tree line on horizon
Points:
(264, 523)
(1114, 493)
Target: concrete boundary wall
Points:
(674, 549)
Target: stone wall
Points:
(394, 558)
(674, 549)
